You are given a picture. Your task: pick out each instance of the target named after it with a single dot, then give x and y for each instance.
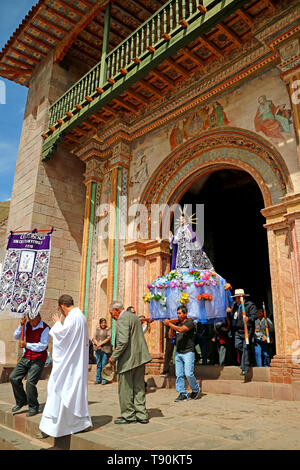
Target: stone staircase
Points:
(227, 380)
(17, 432)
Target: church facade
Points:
(134, 105)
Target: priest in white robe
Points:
(66, 410)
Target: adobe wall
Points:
(47, 194)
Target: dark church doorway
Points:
(234, 237)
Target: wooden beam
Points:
(58, 15)
(245, 16)
(214, 49)
(86, 3)
(18, 62)
(98, 118)
(163, 78)
(38, 41)
(194, 57)
(127, 106)
(44, 32)
(177, 67)
(269, 5)
(143, 8)
(230, 34)
(125, 13)
(113, 34)
(138, 96)
(50, 23)
(34, 49)
(64, 45)
(25, 55)
(67, 6)
(150, 87)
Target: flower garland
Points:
(184, 299)
(176, 280)
(205, 297)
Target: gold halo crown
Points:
(189, 219)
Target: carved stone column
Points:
(283, 226)
(146, 260)
(93, 181)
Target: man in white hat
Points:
(238, 327)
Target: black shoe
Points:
(194, 395)
(181, 397)
(32, 412)
(41, 435)
(123, 421)
(143, 421)
(17, 407)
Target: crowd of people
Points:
(66, 409)
(223, 342)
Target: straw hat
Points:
(239, 293)
(108, 372)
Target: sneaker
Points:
(181, 397)
(195, 395)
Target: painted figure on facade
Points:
(272, 120)
(141, 173)
(207, 117)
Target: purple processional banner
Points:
(24, 274)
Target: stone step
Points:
(243, 387)
(29, 428)
(11, 439)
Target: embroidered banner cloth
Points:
(24, 274)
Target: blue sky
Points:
(11, 114)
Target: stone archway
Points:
(244, 150)
(230, 147)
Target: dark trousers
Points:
(202, 341)
(168, 355)
(33, 370)
(243, 349)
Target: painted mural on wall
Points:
(207, 117)
(252, 106)
(140, 172)
(273, 121)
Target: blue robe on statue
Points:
(193, 274)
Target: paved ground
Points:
(211, 422)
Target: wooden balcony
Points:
(174, 26)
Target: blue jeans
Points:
(184, 367)
(101, 360)
(262, 353)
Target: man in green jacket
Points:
(131, 354)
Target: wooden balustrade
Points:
(147, 38)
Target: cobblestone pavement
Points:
(221, 422)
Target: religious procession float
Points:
(192, 282)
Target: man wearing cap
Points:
(131, 354)
(238, 323)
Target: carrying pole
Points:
(245, 324)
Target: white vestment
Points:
(66, 409)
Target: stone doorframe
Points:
(243, 150)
